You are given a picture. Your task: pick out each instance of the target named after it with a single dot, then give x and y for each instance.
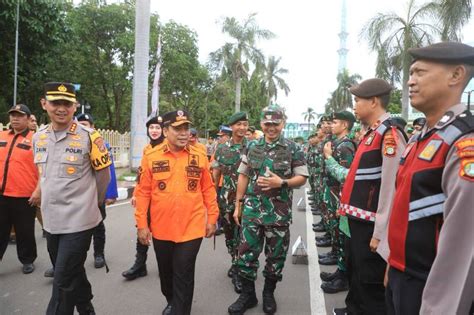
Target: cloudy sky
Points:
(306, 39)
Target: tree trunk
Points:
(238, 89)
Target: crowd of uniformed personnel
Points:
(394, 202)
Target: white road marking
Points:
(118, 204)
(318, 305)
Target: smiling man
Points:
(268, 173)
(73, 165)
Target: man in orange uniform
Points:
(18, 180)
(177, 185)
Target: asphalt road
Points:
(29, 294)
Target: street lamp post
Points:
(16, 53)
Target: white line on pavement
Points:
(118, 204)
(318, 305)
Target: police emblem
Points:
(162, 185)
(180, 113)
(469, 169)
(62, 88)
(100, 143)
(430, 150)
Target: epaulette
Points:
(44, 128)
(89, 130)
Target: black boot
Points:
(138, 269)
(337, 285)
(330, 276)
(85, 309)
(247, 299)
(269, 303)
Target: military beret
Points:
(154, 120)
(235, 118)
(325, 118)
(176, 118)
(370, 88)
(445, 52)
(421, 121)
(85, 117)
(344, 115)
(20, 108)
(55, 91)
(272, 114)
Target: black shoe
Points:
(269, 303)
(230, 272)
(99, 261)
(219, 231)
(28, 268)
(85, 309)
(337, 285)
(330, 276)
(340, 311)
(167, 310)
(316, 212)
(323, 237)
(324, 243)
(49, 273)
(327, 254)
(328, 261)
(247, 299)
(137, 270)
(319, 228)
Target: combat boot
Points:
(337, 285)
(330, 276)
(247, 299)
(85, 309)
(269, 303)
(236, 281)
(138, 269)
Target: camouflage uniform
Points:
(343, 154)
(311, 156)
(267, 215)
(321, 184)
(227, 159)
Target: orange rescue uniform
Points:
(179, 189)
(18, 173)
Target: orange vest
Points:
(18, 173)
(179, 190)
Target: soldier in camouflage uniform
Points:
(321, 180)
(226, 161)
(311, 163)
(342, 155)
(268, 172)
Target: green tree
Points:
(273, 79)
(341, 97)
(234, 56)
(393, 35)
(308, 116)
(454, 15)
(395, 105)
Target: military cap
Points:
(55, 91)
(325, 118)
(370, 88)
(224, 130)
(153, 120)
(252, 129)
(344, 115)
(421, 121)
(400, 122)
(272, 114)
(20, 108)
(176, 118)
(445, 52)
(235, 118)
(85, 117)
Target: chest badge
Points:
(76, 137)
(71, 170)
(370, 139)
(43, 136)
(430, 150)
(71, 158)
(40, 144)
(75, 144)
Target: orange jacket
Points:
(18, 173)
(179, 186)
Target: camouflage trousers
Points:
(231, 234)
(338, 238)
(253, 238)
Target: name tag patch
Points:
(194, 172)
(160, 166)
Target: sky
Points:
(307, 38)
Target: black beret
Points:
(252, 129)
(344, 115)
(419, 121)
(371, 87)
(235, 118)
(445, 52)
(325, 118)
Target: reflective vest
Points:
(417, 213)
(360, 193)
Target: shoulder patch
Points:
(99, 155)
(389, 144)
(465, 151)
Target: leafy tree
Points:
(308, 116)
(234, 56)
(454, 15)
(395, 105)
(341, 98)
(273, 79)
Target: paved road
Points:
(29, 294)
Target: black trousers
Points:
(403, 293)
(99, 234)
(176, 265)
(366, 272)
(18, 213)
(68, 252)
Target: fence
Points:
(119, 144)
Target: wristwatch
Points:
(284, 183)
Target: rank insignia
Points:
(71, 158)
(370, 139)
(430, 150)
(162, 185)
(43, 136)
(74, 144)
(71, 170)
(73, 127)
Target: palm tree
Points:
(341, 97)
(394, 35)
(233, 56)
(309, 115)
(454, 15)
(273, 80)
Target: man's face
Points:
(417, 127)
(428, 81)
(18, 121)
(86, 124)
(178, 136)
(223, 138)
(239, 129)
(60, 112)
(363, 108)
(32, 123)
(326, 126)
(272, 131)
(338, 126)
